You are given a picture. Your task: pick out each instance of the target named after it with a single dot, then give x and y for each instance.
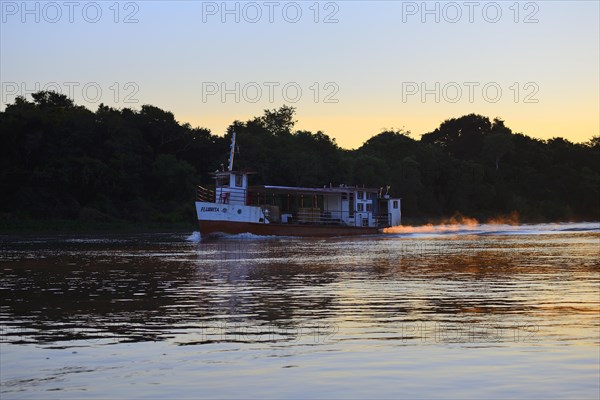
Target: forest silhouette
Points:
(61, 161)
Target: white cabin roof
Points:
(325, 190)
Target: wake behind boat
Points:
(234, 207)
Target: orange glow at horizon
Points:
(352, 130)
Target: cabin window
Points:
(395, 204)
(360, 195)
(223, 181)
(369, 207)
(365, 222)
(238, 180)
(359, 207)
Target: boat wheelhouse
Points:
(235, 207)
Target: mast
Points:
(232, 152)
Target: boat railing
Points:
(205, 195)
(317, 216)
(320, 217)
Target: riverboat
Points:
(234, 207)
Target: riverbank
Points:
(77, 226)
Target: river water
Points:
(469, 312)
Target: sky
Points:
(350, 68)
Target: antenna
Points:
(232, 152)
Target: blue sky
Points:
(351, 68)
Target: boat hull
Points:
(210, 228)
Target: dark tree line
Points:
(63, 161)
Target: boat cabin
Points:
(331, 205)
(231, 187)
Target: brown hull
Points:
(213, 227)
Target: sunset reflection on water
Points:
(505, 313)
